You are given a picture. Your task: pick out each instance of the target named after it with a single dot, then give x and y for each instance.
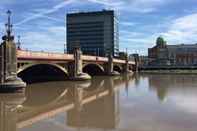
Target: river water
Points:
(126, 103)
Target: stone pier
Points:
(126, 66)
(110, 66)
(75, 68)
(136, 57)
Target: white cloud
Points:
(2, 26)
(46, 12)
(183, 29)
(136, 41)
(184, 99)
(107, 2)
(2, 29)
(51, 39)
(126, 23)
(139, 6)
(137, 37)
(46, 17)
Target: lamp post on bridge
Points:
(19, 43)
(8, 62)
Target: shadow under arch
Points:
(118, 68)
(93, 69)
(42, 72)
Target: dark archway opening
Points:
(131, 67)
(118, 69)
(93, 70)
(42, 73)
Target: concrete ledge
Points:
(169, 71)
(129, 72)
(12, 84)
(114, 73)
(81, 77)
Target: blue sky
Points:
(41, 23)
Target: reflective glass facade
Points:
(95, 32)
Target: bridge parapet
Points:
(22, 54)
(94, 58)
(38, 55)
(131, 62)
(119, 61)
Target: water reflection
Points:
(167, 84)
(93, 104)
(101, 104)
(102, 113)
(8, 110)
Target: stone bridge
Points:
(70, 65)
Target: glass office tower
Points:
(95, 32)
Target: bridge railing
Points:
(104, 59)
(38, 55)
(22, 54)
(94, 58)
(119, 61)
(131, 62)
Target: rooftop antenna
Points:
(19, 43)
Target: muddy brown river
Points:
(125, 103)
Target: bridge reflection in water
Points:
(138, 102)
(8, 110)
(98, 98)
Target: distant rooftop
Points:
(183, 46)
(91, 12)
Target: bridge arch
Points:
(118, 68)
(93, 69)
(42, 72)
